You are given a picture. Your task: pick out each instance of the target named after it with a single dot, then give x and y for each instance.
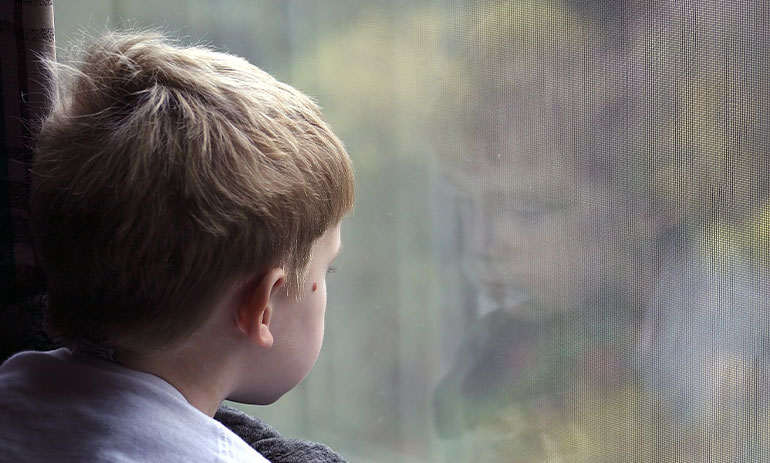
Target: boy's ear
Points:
(254, 310)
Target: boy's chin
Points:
(267, 390)
(255, 399)
(258, 396)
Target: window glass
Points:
(561, 240)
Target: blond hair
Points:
(167, 173)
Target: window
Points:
(560, 248)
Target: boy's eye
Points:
(331, 269)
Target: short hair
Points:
(165, 174)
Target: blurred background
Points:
(561, 241)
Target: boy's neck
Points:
(202, 379)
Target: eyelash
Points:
(331, 270)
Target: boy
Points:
(187, 207)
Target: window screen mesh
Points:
(560, 248)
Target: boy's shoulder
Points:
(64, 406)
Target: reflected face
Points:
(298, 326)
(534, 237)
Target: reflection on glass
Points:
(614, 212)
(560, 247)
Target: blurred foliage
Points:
(585, 143)
(746, 241)
(380, 78)
(704, 74)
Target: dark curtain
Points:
(27, 30)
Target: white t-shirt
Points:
(60, 406)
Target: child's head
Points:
(167, 174)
